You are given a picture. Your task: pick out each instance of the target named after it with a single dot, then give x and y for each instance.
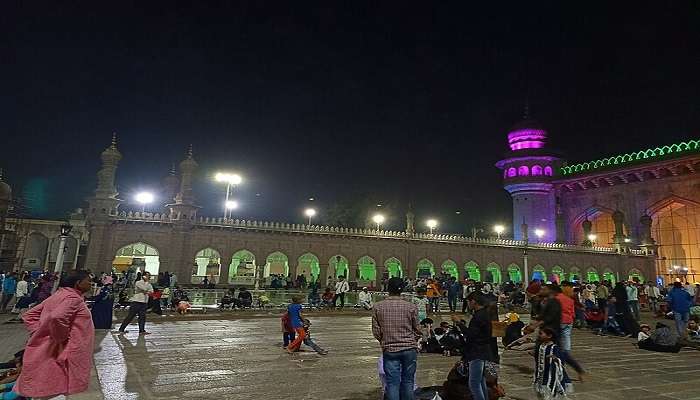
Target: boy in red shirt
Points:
(567, 323)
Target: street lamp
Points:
(432, 224)
(230, 180)
(231, 205)
(144, 198)
(499, 229)
(592, 238)
(378, 219)
(58, 268)
(539, 233)
(310, 212)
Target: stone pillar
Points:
(323, 275)
(647, 242)
(586, 226)
(410, 218)
(619, 237)
(524, 231)
(184, 209)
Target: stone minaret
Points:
(104, 203)
(528, 172)
(184, 208)
(171, 185)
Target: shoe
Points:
(323, 353)
(144, 333)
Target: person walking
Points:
(633, 299)
(58, 356)
(567, 322)
(9, 287)
(138, 304)
(395, 325)
(653, 294)
(454, 289)
(680, 302)
(433, 294)
(477, 337)
(341, 287)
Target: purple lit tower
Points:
(528, 170)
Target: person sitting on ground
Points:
(365, 299)
(309, 342)
(644, 332)
(14, 371)
(614, 317)
(245, 297)
(327, 298)
(226, 302)
(12, 363)
(692, 338)
(662, 339)
(595, 318)
(514, 330)
(314, 297)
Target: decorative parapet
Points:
(138, 217)
(690, 146)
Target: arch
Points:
(138, 256)
(339, 264)
(558, 274)
(309, 266)
(536, 170)
(676, 229)
(574, 274)
(472, 269)
(602, 225)
(493, 273)
(538, 272)
(393, 267)
(35, 251)
(514, 274)
(608, 275)
(592, 275)
(207, 264)
(425, 268)
(275, 264)
(548, 171)
(241, 270)
(635, 275)
(523, 170)
(512, 172)
(367, 269)
(450, 267)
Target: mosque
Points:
(629, 216)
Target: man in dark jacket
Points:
(477, 337)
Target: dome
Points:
(527, 134)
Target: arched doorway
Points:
(635, 275)
(592, 275)
(574, 274)
(558, 272)
(339, 265)
(241, 271)
(494, 270)
(450, 267)
(367, 270)
(472, 269)
(539, 273)
(676, 229)
(514, 274)
(393, 267)
(35, 251)
(276, 263)
(207, 264)
(137, 256)
(610, 276)
(425, 269)
(602, 226)
(308, 265)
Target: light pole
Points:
(499, 229)
(378, 219)
(540, 234)
(230, 180)
(310, 212)
(230, 206)
(58, 268)
(432, 224)
(144, 198)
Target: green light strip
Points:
(682, 147)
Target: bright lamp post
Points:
(499, 229)
(310, 212)
(539, 233)
(58, 269)
(432, 224)
(592, 238)
(144, 198)
(231, 205)
(230, 180)
(378, 219)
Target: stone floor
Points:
(243, 359)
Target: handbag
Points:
(498, 328)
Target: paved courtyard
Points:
(243, 359)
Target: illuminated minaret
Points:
(528, 170)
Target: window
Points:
(523, 170)
(536, 170)
(548, 171)
(512, 172)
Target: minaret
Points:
(410, 217)
(171, 185)
(184, 208)
(528, 170)
(104, 203)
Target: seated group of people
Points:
(243, 300)
(664, 338)
(10, 372)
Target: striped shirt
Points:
(395, 324)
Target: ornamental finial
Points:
(114, 140)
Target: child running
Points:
(309, 342)
(296, 321)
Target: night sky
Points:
(359, 103)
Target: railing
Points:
(362, 232)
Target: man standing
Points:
(477, 337)
(680, 304)
(454, 289)
(633, 299)
(467, 289)
(9, 287)
(139, 302)
(653, 294)
(395, 326)
(341, 287)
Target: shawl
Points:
(549, 373)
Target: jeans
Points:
(400, 370)
(135, 308)
(340, 296)
(634, 308)
(6, 298)
(313, 345)
(681, 322)
(452, 300)
(288, 337)
(477, 380)
(465, 304)
(653, 302)
(565, 338)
